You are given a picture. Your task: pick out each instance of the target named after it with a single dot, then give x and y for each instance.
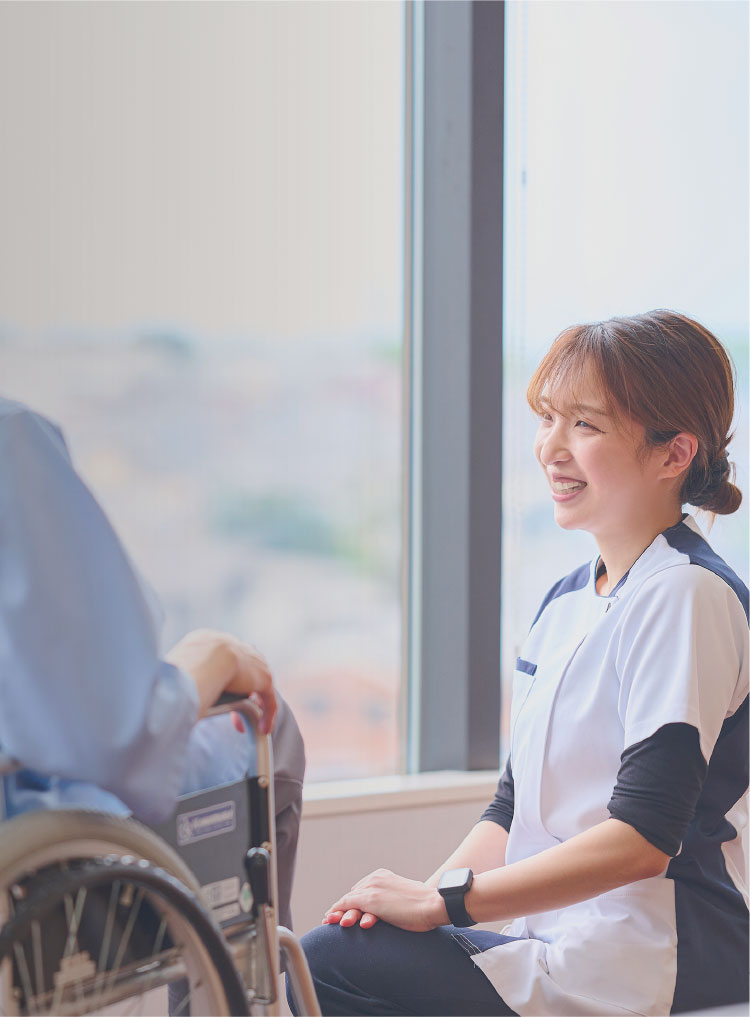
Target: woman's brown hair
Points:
(665, 371)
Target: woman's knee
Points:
(325, 948)
(366, 963)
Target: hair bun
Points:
(719, 471)
(718, 494)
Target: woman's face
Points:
(601, 478)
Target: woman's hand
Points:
(218, 662)
(405, 903)
(351, 917)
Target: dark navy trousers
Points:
(384, 970)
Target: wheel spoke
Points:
(73, 916)
(156, 961)
(127, 931)
(36, 941)
(101, 968)
(108, 925)
(160, 934)
(180, 1008)
(23, 973)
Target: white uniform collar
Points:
(651, 560)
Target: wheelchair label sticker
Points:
(208, 822)
(221, 897)
(224, 891)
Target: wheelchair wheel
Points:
(98, 916)
(94, 934)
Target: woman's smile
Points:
(565, 488)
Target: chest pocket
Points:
(534, 687)
(524, 677)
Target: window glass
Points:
(625, 190)
(201, 280)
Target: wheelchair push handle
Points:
(228, 699)
(240, 703)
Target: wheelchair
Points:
(100, 914)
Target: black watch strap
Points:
(456, 908)
(453, 886)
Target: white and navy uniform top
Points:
(634, 706)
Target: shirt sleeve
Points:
(84, 693)
(658, 785)
(500, 809)
(682, 656)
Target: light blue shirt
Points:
(84, 695)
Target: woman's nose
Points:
(552, 446)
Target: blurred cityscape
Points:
(258, 491)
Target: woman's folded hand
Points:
(405, 903)
(351, 917)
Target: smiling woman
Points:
(640, 369)
(622, 423)
(612, 847)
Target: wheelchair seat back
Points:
(212, 831)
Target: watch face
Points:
(455, 880)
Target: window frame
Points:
(453, 316)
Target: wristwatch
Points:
(454, 883)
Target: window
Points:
(626, 189)
(223, 266)
(202, 281)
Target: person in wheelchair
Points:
(92, 711)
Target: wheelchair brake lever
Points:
(258, 868)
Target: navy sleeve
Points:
(658, 785)
(500, 809)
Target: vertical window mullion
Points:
(456, 518)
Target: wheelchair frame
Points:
(247, 944)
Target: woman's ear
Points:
(680, 453)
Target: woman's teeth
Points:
(564, 486)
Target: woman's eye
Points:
(586, 424)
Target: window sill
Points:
(379, 794)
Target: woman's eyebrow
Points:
(585, 408)
(595, 411)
